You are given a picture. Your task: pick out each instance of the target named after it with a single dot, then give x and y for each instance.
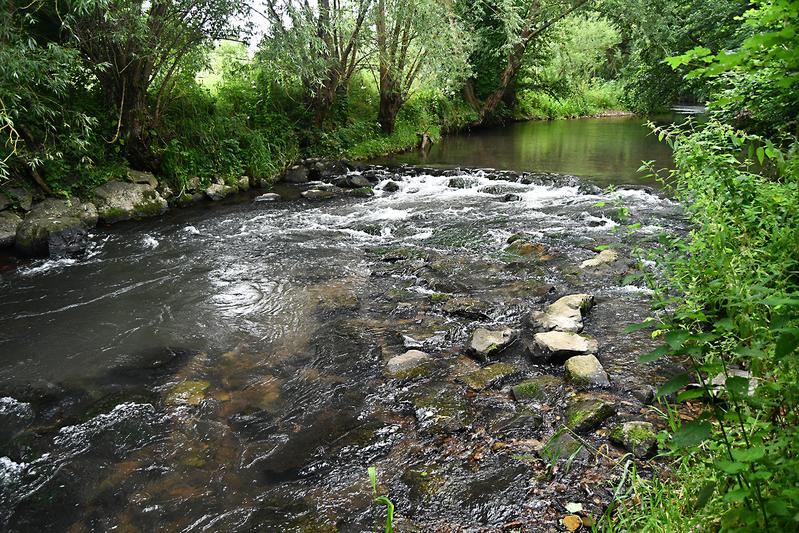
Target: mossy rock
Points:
(362, 192)
(638, 437)
(587, 413)
(494, 375)
(536, 388)
(563, 445)
(187, 393)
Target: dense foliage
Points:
(89, 87)
(730, 307)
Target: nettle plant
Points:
(732, 317)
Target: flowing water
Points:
(222, 368)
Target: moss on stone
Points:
(490, 376)
(187, 393)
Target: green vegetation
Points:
(730, 309)
(89, 88)
(382, 500)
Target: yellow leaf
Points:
(572, 522)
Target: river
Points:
(223, 367)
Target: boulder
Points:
(536, 388)
(9, 222)
(605, 257)
(268, 197)
(186, 199)
(354, 181)
(637, 437)
(317, 194)
(243, 183)
(487, 343)
(146, 178)
(494, 375)
(587, 413)
(586, 370)
(566, 314)
(562, 344)
(70, 242)
(219, 191)
(193, 184)
(5, 201)
(391, 186)
(117, 201)
(511, 197)
(362, 192)
(461, 183)
(49, 217)
(296, 174)
(408, 363)
(19, 197)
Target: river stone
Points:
(49, 217)
(118, 201)
(515, 424)
(562, 344)
(355, 181)
(566, 314)
(536, 388)
(443, 412)
(70, 242)
(362, 192)
(9, 222)
(147, 178)
(562, 445)
(406, 363)
(511, 197)
(20, 197)
(468, 308)
(220, 191)
(587, 413)
(718, 383)
(461, 183)
(637, 437)
(243, 183)
(317, 194)
(524, 248)
(268, 197)
(186, 199)
(296, 174)
(391, 186)
(494, 375)
(487, 343)
(586, 370)
(605, 257)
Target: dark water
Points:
(606, 150)
(223, 368)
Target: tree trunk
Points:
(390, 104)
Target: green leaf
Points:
(373, 478)
(761, 154)
(677, 338)
(655, 354)
(730, 467)
(691, 394)
(674, 384)
(704, 496)
(738, 386)
(786, 345)
(749, 455)
(639, 326)
(691, 434)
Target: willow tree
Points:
(416, 39)
(506, 31)
(136, 48)
(320, 44)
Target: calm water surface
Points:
(606, 150)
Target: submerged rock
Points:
(605, 257)
(537, 388)
(443, 412)
(468, 308)
(587, 413)
(586, 370)
(50, 217)
(487, 343)
(516, 424)
(562, 344)
(317, 194)
(408, 363)
(494, 375)
(637, 437)
(9, 222)
(117, 201)
(268, 197)
(566, 314)
(562, 445)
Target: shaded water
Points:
(606, 150)
(223, 368)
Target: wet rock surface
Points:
(586, 370)
(51, 218)
(240, 377)
(117, 201)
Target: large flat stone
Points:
(487, 343)
(562, 344)
(586, 413)
(407, 363)
(50, 217)
(605, 257)
(566, 314)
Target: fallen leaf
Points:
(572, 522)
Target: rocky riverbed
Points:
(239, 368)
